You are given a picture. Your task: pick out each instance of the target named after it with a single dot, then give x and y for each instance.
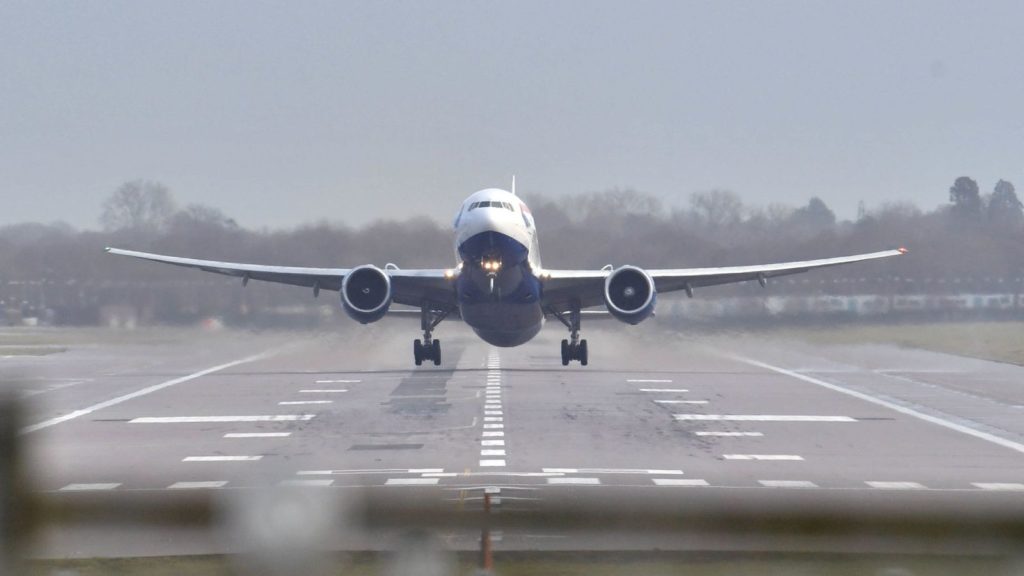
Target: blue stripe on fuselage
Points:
(511, 314)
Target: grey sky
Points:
(281, 113)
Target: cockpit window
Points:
(491, 204)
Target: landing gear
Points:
(429, 349)
(577, 351)
(573, 348)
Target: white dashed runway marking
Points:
(665, 390)
(221, 458)
(787, 484)
(411, 481)
(492, 463)
(257, 434)
(574, 481)
(322, 391)
(729, 434)
(612, 471)
(649, 381)
(763, 457)
(90, 487)
(1011, 486)
(338, 381)
(306, 483)
(761, 418)
(680, 401)
(492, 442)
(895, 485)
(221, 419)
(490, 452)
(680, 482)
(198, 485)
(303, 402)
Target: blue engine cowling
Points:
(366, 294)
(629, 294)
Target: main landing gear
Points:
(429, 349)
(573, 348)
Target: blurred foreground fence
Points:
(292, 531)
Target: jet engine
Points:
(366, 294)
(629, 294)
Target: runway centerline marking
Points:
(680, 401)
(142, 392)
(322, 391)
(492, 463)
(762, 418)
(665, 390)
(221, 419)
(1016, 446)
(642, 381)
(257, 434)
(303, 402)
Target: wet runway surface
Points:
(653, 412)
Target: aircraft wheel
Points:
(436, 352)
(565, 352)
(417, 352)
(581, 353)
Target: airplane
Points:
(498, 286)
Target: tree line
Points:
(974, 240)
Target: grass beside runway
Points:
(999, 341)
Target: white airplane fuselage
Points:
(497, 251)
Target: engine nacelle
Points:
(629, 294)
(366, 294)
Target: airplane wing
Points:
(562, 287)
(410, 287)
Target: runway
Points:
(655, 411)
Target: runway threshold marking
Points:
(762, 418)
(1005, 443)
(142, 392)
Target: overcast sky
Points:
(286, 112)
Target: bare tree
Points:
(717, 208)
(139, 205)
